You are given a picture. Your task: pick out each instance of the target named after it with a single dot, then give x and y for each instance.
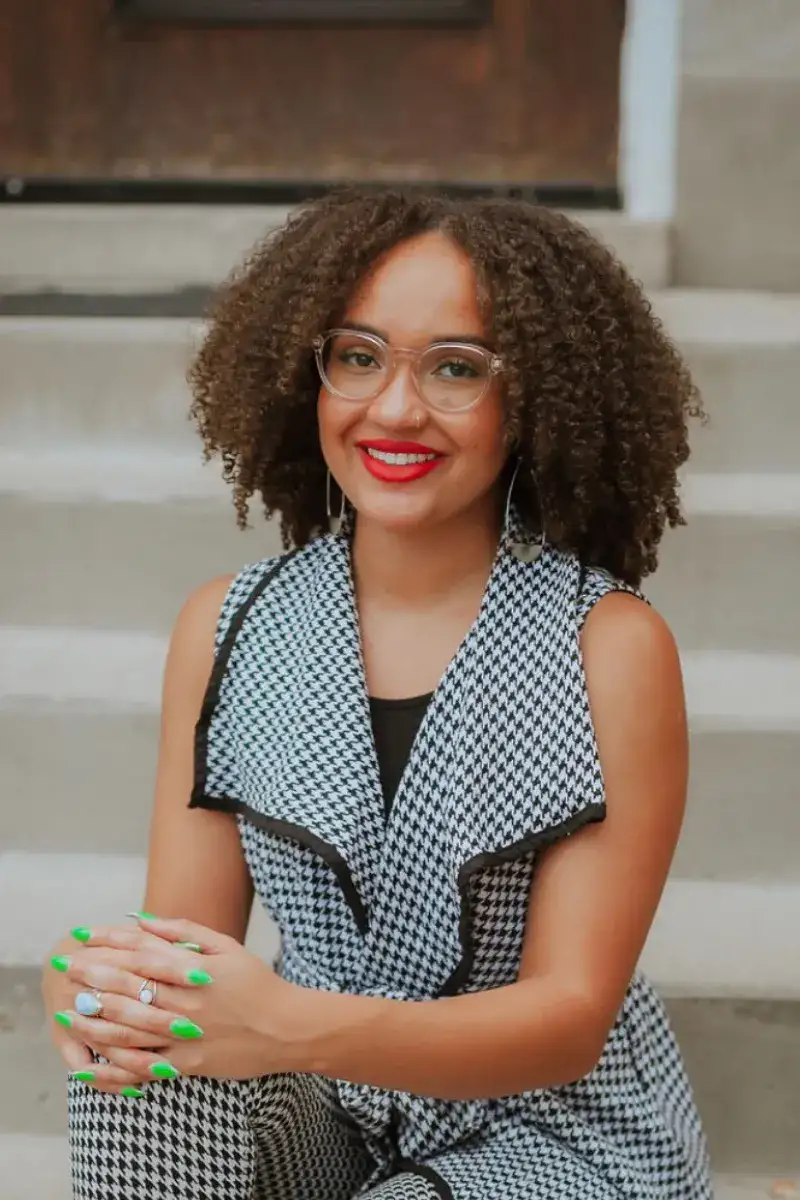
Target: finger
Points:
(169, 1064)
(156, 960)
(186, 933)
(97, 1030)
(107, 1077)
(117, 937)
(91, 971)
(126, 1022)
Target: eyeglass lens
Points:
(358, 367)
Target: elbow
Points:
(585, 1034)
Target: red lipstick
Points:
(397, 472)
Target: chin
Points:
(396, 514)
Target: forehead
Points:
(423, 289)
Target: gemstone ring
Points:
(147, 992)
(89, 1004)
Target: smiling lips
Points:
(398, 462)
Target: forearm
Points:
(486, 1044)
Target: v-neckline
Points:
(390, 821)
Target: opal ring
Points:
(89, 1004)
(148, 992)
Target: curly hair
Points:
(597, 398)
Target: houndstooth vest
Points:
(432, 901)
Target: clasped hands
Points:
(219, 1010)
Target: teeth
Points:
(399, 460)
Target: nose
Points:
(399, 404)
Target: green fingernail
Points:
(142, 916)
(184, 1028)
(164, 1070)
(81, 933)
(132, 1093)
(83, 1076)
(60, 962)
(190, 946)
(198, 978)
(63, 1018)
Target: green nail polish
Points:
(190, 946)
(142, 916)
(164, 1070)
(198, 978)
(63, 1018)
(60, 962)
(83, 1076)
(132, 1093)
(81, 933)
(183, 1028)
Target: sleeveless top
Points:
(432, 901)
(395, 724)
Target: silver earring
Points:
(334, 523)
(524, 552)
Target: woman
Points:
(443, 739)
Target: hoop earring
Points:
(523, 551)
(334, 523)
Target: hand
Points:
(224, 1014)
(78, 1054)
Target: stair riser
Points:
(92, 791)
(743, 1058)
(83, 382)
(750, 394)
(162, 248)
(724, 583)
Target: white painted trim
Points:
(709, 939)
(649, 88)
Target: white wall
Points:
(649, 108)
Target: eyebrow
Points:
(472, 339)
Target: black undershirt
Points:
(394, 726)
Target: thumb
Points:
(188, 934)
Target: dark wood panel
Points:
(531, 97)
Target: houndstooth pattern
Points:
(432, 901)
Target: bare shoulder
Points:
(633, 670)
(623, 631)
(191, 649)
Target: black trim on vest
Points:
(302, 837)
(200, 798)
(211, 696)
(409, 1167)
(590, 815)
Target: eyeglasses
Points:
(450, 376)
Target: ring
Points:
(148, 992)
(89, 1004)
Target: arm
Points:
(195, 868)
(591, 907)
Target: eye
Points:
(456, 369)
(359, 358)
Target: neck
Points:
(416, 566)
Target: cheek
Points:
(484, 438)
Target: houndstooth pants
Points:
(281, 1137)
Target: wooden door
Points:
(498, 91)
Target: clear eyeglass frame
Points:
(395, 354)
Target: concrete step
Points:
(129, 533)
(37, 1168)
(118, 249)
(93, 381)
(91, 697)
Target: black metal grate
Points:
(310, 12)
